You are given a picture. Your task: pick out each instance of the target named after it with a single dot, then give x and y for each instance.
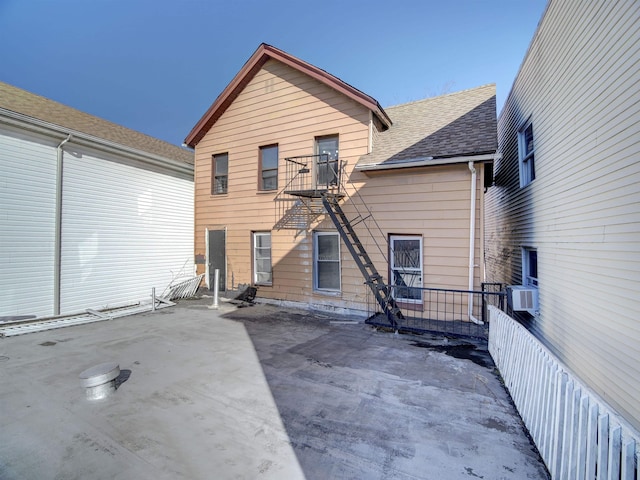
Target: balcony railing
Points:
(312, 175)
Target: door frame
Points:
(208, 260)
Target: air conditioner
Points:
(521, 298)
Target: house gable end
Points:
(253, 66)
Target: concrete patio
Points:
(256, 392)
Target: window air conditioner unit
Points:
(522, 298)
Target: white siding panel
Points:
(27, 224)
(580, 86)
(125, 230)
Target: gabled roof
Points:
(251, 68)
(40, 108)
(446, 129)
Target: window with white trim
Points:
(262, 273)
(526, 156)
(530, 267)
(326, 261)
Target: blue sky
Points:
(157, 65)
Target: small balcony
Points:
(311, 176)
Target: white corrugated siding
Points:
(124, 230)
(27, 224)
(580, 85)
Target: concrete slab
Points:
(256, 392)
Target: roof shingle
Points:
(453, 125)
(26, 103)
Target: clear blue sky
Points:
(157, 65)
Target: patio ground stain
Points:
(465, 351)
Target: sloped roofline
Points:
(26, 108)
(251, 68)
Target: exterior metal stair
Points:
(299, 213)
(373, 279)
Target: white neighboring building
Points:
(563, 216)
(92, 214)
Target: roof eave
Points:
(253, 65)
(425, 162)
(16, 119)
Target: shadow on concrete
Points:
(361, 403)
(123, 377)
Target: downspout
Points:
(472, 242)
(57, 252)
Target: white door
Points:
(406, 267)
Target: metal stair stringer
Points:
(373, 279)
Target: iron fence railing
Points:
(440, 310)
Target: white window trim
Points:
(315, 264)
(255, 260)
(526, 279)
(523, 157)
(415, 270)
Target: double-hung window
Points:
(530, 267)
(262, 274)
(219, 173)
(326, 261)
(268, 178)
(526, 156)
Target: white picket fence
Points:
(579, 437)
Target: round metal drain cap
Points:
(100, 381)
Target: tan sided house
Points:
(309, 189)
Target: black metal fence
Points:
(311, 173)
(450, 312)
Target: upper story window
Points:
(268, 176)
(530, 267)
(327, 169)
(219, 173)
(526, 156)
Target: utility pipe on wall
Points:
(472, 242)
(57, 252)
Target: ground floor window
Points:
(406, 267)
(326, 261)
(262, 274)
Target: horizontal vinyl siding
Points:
(27, 224)
(124, 230)
(279, 105)
(580, 85)
(434, 203)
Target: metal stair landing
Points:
(373, 279)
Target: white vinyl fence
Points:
(578, 436)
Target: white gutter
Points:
(472, 242)
(423, 162)
(47, 128)
(57, 252)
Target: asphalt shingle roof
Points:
(41, 108)
(452, 125)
